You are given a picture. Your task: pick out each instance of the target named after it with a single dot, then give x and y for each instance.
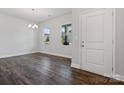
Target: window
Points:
(46, 35)
(66, 37)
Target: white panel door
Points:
(96, 28)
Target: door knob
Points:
(82, 45)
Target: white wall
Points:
(55, 47)
(15, 37)
(119, 42)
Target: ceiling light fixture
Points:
(33, 26)
(29, 26)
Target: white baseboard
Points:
(17, 54)
(75, 65)
(118, 77)
(55, 54)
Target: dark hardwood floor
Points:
(45, 69)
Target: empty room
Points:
(61, 46)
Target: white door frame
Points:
(114, 43)
(113, 38)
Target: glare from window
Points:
(46, 35)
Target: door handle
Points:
(82, 45)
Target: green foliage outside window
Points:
(66, 37)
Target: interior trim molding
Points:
(118, 77)
(18, 54)
(75, 65)
(55, 54)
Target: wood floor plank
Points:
(43, 69)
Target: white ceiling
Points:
(38, 15)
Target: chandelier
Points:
(33, 26)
